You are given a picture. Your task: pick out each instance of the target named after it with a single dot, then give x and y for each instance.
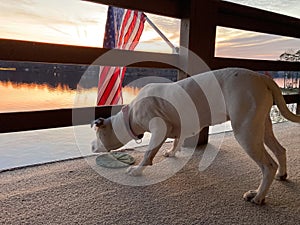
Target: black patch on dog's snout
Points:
(98, 122)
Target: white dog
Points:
(181, 109)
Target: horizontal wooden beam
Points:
(23, 121)
(252, 19)
(253, 64)
(15, 50)
(34, 120)
(294, 98)
(170, 8)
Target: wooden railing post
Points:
(197, 34)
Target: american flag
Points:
(123, 31)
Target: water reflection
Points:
(30, 97)
(36, 86)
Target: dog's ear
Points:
(98, 123)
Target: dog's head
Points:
(106, 138)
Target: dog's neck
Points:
(122, 128)
(130, 130)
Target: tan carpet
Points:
(71, 192)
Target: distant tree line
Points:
(291, 78)
(70, 75)
(290, 56)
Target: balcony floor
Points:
(71, 192)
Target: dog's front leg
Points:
(154, 146)
(147, 161)
(158, 137)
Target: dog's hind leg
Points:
(250, 135)
(277, 149)
(176, 147)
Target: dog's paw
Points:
(281, 177)
(135, 171)
(251, 196)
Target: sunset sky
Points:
(77, 22)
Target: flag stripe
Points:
(117, 97)
(137, 33)
(109, 87)
(130, 28)
(123, 28)
(103, 81)
(106, 77)
(114, 90)
(103, 70)
(116, 94)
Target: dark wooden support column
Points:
(298, 104)
(198, 33)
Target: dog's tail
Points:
(279, 100)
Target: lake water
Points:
(40, 146)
